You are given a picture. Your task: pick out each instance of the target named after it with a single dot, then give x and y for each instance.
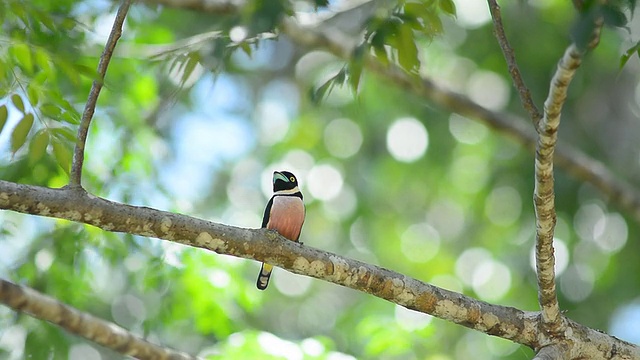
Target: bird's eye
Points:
(293, 179)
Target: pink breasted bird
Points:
(284, 213)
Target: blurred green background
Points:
(197, 128)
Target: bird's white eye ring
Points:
(293, 179)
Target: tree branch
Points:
(107, 334)
(552, 352)
(544, 197)
(75, 177)
(267, 246)
(514, 71)
(264, 245)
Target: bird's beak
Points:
(277, 175)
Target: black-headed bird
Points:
(284, 213)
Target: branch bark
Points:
(544, 197)
(107, 334)
(75, 176)
(523, 327)
(514, 71)
(267, 246)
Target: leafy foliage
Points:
(198, 107)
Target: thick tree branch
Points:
(75, 177)
(263, 245)
(544, 197)
(268, 246)
(553, 352)
(107, 334)
(514, 71)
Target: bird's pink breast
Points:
(287, 216)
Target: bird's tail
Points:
(263, 277)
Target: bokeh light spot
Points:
(324, 182)
(420, 242)
(411, 320)
(491, 280)
(312, 347)
(83, 352)
(472, 13)
(503, 206)
(343, 205)
(238, 33)
(275, 346)
(611, 232)
(447, 217)
(407, 140)
(290, 284)
(343, 138)
(577, 282)
(468, 261)
(625, 323)
(489, 90)
(465, 130)
(469, 173)
(273, 121)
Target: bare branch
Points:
(263, 245)
(514, 71)
(75, 177)
(552, 352)
(110, 335)
(544, 197)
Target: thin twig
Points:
(110, 335)
(544, 197)
(514, 71)
(75, 177)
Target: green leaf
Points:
(38, 146)
(318, 94)
(246, 47)
(17, 102)
(407, 50)
(22, 54)
(51, 111)
(87, 71)
(613, 16)
(64, 133)
(448, 6)
(628, 54)
(33, 94)
(42, 60)
(62, 154)
(189, 67)
(71, 117)
(4, 114)
(434, 23)
(355, 71)
(19, 135)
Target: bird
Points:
(284, 213)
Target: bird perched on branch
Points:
(284, 213)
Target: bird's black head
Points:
(283, 181)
